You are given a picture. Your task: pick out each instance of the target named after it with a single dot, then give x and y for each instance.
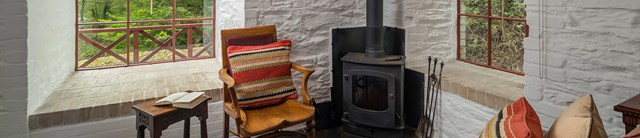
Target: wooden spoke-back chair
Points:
(260, 121)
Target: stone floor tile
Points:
(99, 112)
(71, 116)
(500, 103)
(113, 109)
(490, 101)
(481, 98)
(85, 114)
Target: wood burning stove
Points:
(373, 90)
(373, 84)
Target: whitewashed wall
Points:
(229, 14)
(591, 46)
(308, 24)
(51, 47)
(13, 69)
(458, 117)
(430, 30)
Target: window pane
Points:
(102, 10)
(150, 9)
(193, 9)
(91, 55)
(507, 44)
(148, 49)
(478, 7)
(507, 8)
(473, 39)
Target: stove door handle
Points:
(346, 76)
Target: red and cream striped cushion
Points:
(516, 120)
(262, 74)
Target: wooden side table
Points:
(630, 112)
(158, 118)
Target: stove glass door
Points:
(370, 92)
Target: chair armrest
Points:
(226, 79)
(305, 79)
(229, 84)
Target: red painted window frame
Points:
(128, 29)
(489, 19)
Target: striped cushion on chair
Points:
(262, 74)
(516, 120)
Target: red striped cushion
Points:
(262, 74)
(516, 120)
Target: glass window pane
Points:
(193, 9)
(473, 39)
(91, 55)
(478, 7)
(102, 10)
(508, 8)
(507, 44)
(153, 43)
(150, 9)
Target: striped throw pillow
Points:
(262, 74)
(516, 120)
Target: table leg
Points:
(140, 130)
(203, 127)
(186, 127)
(155, 132)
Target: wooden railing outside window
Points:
(139, 40)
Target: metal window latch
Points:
(346, 76)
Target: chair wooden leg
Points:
(225, 131)
(311, 129)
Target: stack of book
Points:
(185, 100)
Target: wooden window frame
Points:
(489, 17)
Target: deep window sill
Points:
(109, 93)
(492, 88)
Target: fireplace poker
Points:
(420, 131)
(437, 92)
(432, 81)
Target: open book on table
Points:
(187, 100)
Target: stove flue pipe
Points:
(375, 29)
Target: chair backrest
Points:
(252, 36)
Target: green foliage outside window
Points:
(506, 35)
(116, 11)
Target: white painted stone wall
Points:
(229, 14)
(458, 117)
(591, 47)
(51, 47)
(13, 69)
(308, 24)
(430, 30)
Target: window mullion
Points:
(128, 30)
(489, 33)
